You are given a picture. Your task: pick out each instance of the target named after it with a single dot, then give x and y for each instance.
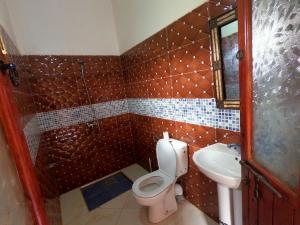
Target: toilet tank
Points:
(181, 151)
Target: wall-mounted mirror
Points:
(224, 34)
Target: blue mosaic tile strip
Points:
(32, 134)
(66, 117)
(195, 111)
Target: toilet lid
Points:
(166, 157)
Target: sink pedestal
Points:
(230, 205)
(221, 164)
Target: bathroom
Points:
(135, 112)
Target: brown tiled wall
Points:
(175, 63)
(79, 154)
(57, 82)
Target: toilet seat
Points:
(152, 184)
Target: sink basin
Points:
(220, 164)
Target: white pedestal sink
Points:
(221, 164)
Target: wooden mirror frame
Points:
(215, 25)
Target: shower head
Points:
(81, 62)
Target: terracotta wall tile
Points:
(48, 184)
(92, 64)
(39, 65)
(143, 140)
(25, 104)
(193, 85)
(55, 101)
(190, 28)
(116, 92)
(41, 84)
(97, 96)
(194, 57)
(113, 63)
(197, 136)
(218, 7)
(132, 56)
(138, 90)
(155, 46)
(59, 65)
(199, 189)
(57, 81)
(157, 68)
(160, 88)
(227, 136)
(161, 125)
(94, 80)
(79, 154)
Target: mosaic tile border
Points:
(195, 111)
(32, 134)
(66, 117)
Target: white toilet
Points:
(157, 189)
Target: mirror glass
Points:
(229, 46)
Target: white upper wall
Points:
(5, 20)
(64, 27)
(136, 20)
(87, 27)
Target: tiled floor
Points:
(123, 210)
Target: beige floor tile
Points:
(131, 202)
(134, 171)
(133, 217)
(118, 202)
(72, 206)
(101, 216)
(124, 210)
(188, 214)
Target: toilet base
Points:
(162, 210)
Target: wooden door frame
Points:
(10, 119)
(246, 96)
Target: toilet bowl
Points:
(156, 190)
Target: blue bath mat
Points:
(104, 190)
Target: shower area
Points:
(83, 117)
(75, 120)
